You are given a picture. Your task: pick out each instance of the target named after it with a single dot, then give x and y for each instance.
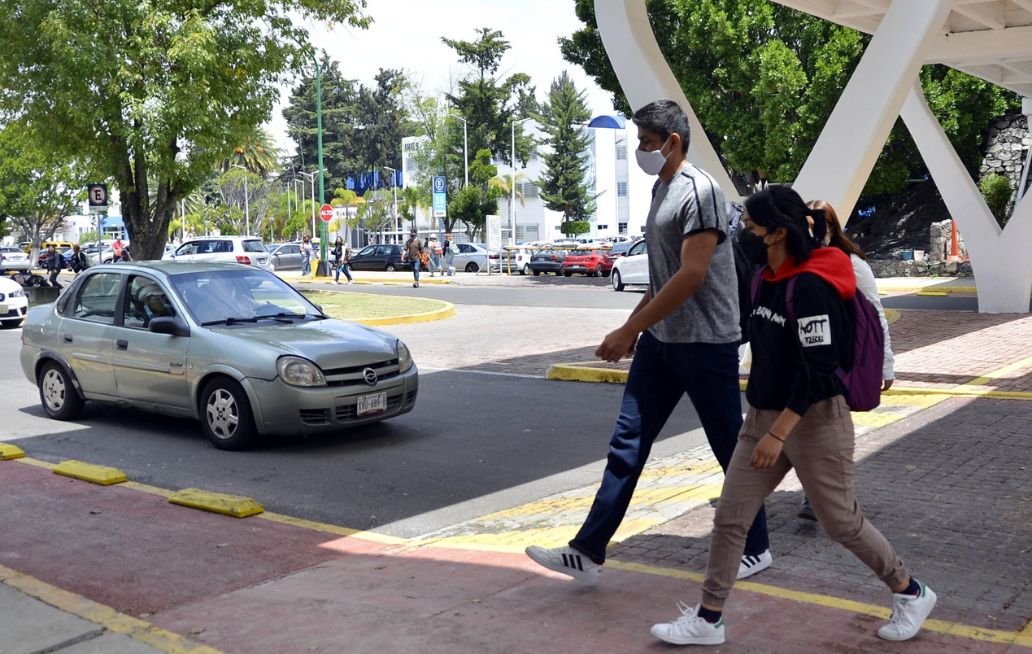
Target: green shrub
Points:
(575, 227)
(997, 191)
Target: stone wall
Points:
(1007, 149)
(899, 268)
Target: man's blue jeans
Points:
(416, 265)
(660, 374)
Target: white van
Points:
(248, 250)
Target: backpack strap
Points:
(790, 298)
(754, 288)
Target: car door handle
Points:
(122, 344)
(67, 338)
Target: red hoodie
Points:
(830, 264)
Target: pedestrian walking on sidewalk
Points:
(55, 262)
(450, 250)
(413, 253)
(306, 256)
(79, 260)
(341, 260)
(433, 250)
(797, 418)
(866, 284)
(684, 338)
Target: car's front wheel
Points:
(567, 273)
(226, 415)
(618, 284)
(598, 270)
(56, 393)
(390, 267)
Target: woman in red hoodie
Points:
(797, 418)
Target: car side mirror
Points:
(169, 325)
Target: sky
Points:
(406, 34)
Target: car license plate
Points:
(368, 404)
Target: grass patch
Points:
(366, 306)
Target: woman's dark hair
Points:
(780, 206)
(339, 241)
(664, 117)
(838, 238)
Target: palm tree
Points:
(255, 152)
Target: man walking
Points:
(79, 261)
(55, 262)
(413, 252)
(683, 335)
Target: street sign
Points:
(97, 195)
(326, 213)
(440, 189)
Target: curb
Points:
(447, 311)
(102, 475)
(9, 452)
(235, 506)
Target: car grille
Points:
(354, 375)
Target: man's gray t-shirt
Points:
(692, 202)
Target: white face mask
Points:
(652, 161)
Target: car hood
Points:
(330, 343)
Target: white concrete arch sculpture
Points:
(883, 87)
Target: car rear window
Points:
(254, 245)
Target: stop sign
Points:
(326, 213)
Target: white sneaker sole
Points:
(718, 639)
(590, 578)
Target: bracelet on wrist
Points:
(777, 437)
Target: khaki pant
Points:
(820, 449)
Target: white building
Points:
(623, 190)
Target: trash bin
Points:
(906, 255)
(919, 255)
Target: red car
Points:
(594, 263)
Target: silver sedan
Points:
(233, 346)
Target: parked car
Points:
(97, 255)
(284, 256)
(383, 256)
(12, 258)
(547, 261)
(13, 303)
(618, 250)
(472, 257)
(247, 250)
(591, 262)
(516, 260)
(632, 268)
(158, 335)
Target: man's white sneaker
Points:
(750, 564)
(908, 614)
(690, 629)
(568, 561)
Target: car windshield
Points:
(234, 296)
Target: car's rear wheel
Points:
(537, 272)
(226, 415)
(472, 267)
(598, 270)
(525, 270)
(618, 284)
(56, 393)
(567, 274)
(390, 267)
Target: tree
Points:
(153, 94)
(564, 187)
(38, 189)
(472, 204)
(764, 78)
(362, 126)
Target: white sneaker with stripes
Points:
(567, 561)
(750, 564)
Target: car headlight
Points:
(299, 372)
(18, 293)
(404, 357)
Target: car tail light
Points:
(492, 256)
(553, 258)
(243, 259)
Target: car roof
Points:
(169, 268)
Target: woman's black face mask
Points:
(753, 247)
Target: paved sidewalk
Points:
(943, 471)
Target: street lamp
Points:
(512, 185)
(465, 147)
(394, 185)
(311, 178)
(247, 211)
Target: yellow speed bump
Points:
(232, 505)
(8, 452)
(933, 293)
(94, 474)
